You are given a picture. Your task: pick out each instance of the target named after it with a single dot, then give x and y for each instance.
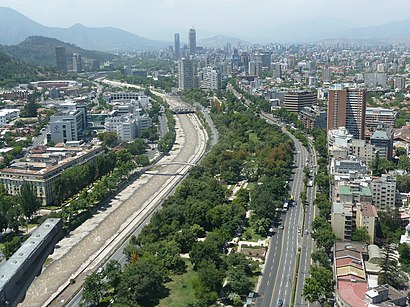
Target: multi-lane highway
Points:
(307, 241)
(280, 266)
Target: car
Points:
(298, 230)
(306, 232)
(281, 227)
(280, 303)
(271, 230)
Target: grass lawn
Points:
(255, 237)
(181, 289)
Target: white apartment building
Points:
(383, 192)
(68, 126)
(7, 115)
(211, 79)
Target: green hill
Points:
(13, 72)
(40, 50)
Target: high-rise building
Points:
(375, 79)
(400, 82)
(347, 108)
(326, 74)
(296, 101)
(61, 58)
(192, 41)
(77, 62)
(186, 74)
(211, 79)
(177, 46)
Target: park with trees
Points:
(199, 219)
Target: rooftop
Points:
(13, 265)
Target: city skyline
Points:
(228, 16)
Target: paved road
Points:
(307, 243)
(39, 140)
(280, 264)
(130, 204)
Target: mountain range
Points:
(15, 27)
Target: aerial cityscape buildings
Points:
(306, 179)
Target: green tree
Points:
(142, 282)
(404, 252)
(10, 247)
(209, 281)
(28, 200)
(109, 139)
(404, 163)
(94, 289)
(403, 183)
(238, 281)
(361, 234)
(322, 258)
(137, 147)
(112, 272)
(205, 250)
(319, 286)
(375, 165)
(390, 273)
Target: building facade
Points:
(61, 58)
(186, 74)
(378, 116)
(211, 79)
(192, 41)
(347, 108)
(42, 175)
(177, 46)
(383, 192)
(296, 101)
(68, 126)
(77, 62)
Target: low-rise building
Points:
(346, 217)
(7, 115)
(378, 116)
(385, 296)
(43, 168)
(354, 285)
(312, 117)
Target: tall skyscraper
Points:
(186, 74)
(347, 108)
(192, 41)
(61, 59)
(177, 46)
(77, 63)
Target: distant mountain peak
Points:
(15, 27)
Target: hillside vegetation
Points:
(40, 50)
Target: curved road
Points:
(129, 206)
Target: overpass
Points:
(182, 109)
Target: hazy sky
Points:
(159, 19)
